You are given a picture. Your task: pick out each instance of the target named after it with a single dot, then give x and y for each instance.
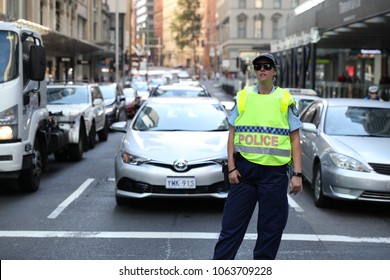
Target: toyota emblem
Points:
(180, 165)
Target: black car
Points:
(114, 102)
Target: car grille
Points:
(129, 185)
(381, 168)
(375, 196)
(170, 166)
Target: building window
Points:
(259, 4)
(277, 4)
(258, 28)
(241, 26)
(276, 32)
(242, 4)
(80, 27)
(58, 16)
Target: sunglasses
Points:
(267, 66)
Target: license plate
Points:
(180, 183)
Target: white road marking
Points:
(293, 204)
(184, 235)
(70, 199)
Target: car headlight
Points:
(345, 162)
(133, 160)
(9, 123)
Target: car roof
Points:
(180, 86)
(55, 85)
(302, 91)
(179, 100)
(305, 97)
(354, 102)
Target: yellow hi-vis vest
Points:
(262, 133)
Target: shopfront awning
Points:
(340, 24)
(61, 45)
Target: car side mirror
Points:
(97, 102)
(309, 127)
(119, 127)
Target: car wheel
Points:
(320, 199)
(76, 150)
(30, 178)
(103, 134)
(92, 136)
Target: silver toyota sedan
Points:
(174, 147)
(346, 149)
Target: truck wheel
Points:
(103, 134)
(76, 150)
(60, 155)
(92, 136)
(30, 178)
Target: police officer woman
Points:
(264, 157)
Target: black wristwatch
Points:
(299, 174)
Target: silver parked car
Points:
(346, 149)
(173, 147)
(303, 97)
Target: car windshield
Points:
(67, 95)
(108, 92)
(159, 92)
(8, 56)
(140, 86)
(358, 121)
(129, 93)
(182, 117)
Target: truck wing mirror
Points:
(37, 63)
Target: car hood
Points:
(68, 109)
(172, 145)
(364, 149)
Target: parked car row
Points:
(176, 146)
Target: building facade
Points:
(337, 47)
(246, 28)
(78, 35)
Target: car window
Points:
(179, 93)
(187, 117)
(312, 114)
(108, 92)
(96, 93)
(67, 95)
(357, 121)
(129, 93)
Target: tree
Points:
(186, 25)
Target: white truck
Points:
(28, 134)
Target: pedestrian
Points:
(264, 156)
(373, 93)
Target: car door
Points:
(98, 107)
(309, 145)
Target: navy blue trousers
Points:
(267, 186)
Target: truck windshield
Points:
(8, 56)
